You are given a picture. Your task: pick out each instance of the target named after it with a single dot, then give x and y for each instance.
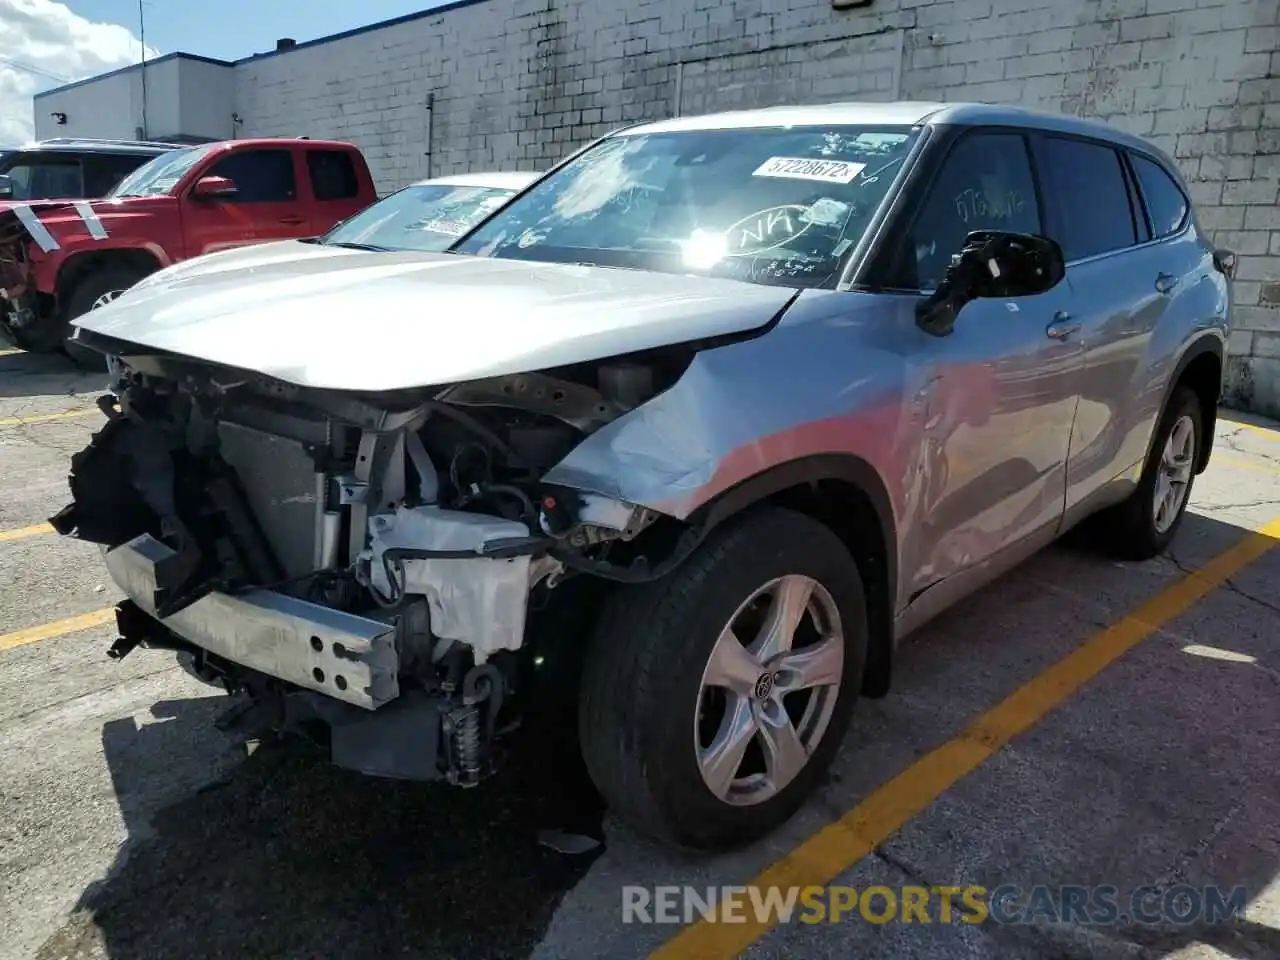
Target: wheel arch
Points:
(1201, 369)
(75, 268)
(847, 494)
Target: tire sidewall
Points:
(686, 797)
(81, 301)
(1182, 403)
(94, 285)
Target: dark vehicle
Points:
(66, 168)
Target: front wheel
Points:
(713, 700)
(95, 290)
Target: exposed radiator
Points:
(284, 491)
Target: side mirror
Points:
(993, 264)
(214, 188)
(6, 187)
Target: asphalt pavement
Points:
(1080, 722)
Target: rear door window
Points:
(985, 184)
(1085, 186)
(46, 176)
(1166, 204)
(333, 175)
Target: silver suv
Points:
(725, 405)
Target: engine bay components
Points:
(365, 562)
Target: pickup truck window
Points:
(772, 205)
(425, 217)
(260, 176)
(157, 178)
(333, 175)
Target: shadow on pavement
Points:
(28, 375)
(291, 857)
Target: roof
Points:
(893, 114)
(89, 145)
(902, 113)
(498, 180)
(131, 67)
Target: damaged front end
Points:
(359, 565)
(18, 299)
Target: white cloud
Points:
(59, 43)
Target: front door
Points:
(998, 398)
(266, 206)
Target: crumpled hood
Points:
(389, 321)
(52, 223)
(240, 258)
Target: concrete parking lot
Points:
(1080, 722)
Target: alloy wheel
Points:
(769, 690)
(1173, 478)
(105, 298)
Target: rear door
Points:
(1115, 272)
(266, 206)
(334, 186)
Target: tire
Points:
(1131, 530)
(44, 336)
(642, 695)
(110, 281)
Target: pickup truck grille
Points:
(283, 489)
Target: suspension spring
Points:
(466, 744)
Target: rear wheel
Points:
(1144, 525)
(713, 700)
(95, 290)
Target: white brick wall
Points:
(519, 83)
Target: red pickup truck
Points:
(61, 258)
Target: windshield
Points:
(426, 217)
(36, 176)
(774, 205)
(157, 177)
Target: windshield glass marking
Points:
(157, 177)
(426, 218)
(780, 205)
(797, 168)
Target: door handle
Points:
(1166, 282)
(1063, 326)
(293, 221)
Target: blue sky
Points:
(230, 29)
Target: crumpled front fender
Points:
(747, 407)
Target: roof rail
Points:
(103, 142)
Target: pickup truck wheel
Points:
(1143, 526)
(93, 291)
(714, 699)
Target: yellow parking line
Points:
(1271, 433)
(21, 533)
(837, 847)
(58, 628)
(9, 352)
(42, 417)
(1242, 463)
